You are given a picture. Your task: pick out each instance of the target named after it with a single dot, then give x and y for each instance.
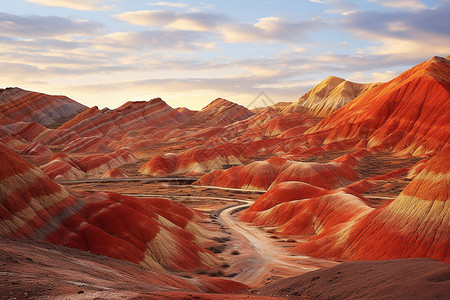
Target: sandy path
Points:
(263, 258)
(260, 257)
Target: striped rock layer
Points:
(154, 232)
(63, 167)
(339, 224)
(99, 126)
(262, 175)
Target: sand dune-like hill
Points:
(328, 96)
(407, 114)
(22, 105)
(154, 232)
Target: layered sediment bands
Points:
(100, 163)
(328, 96)
(64, 167)
(94, 129)
(27, 106)
(262, 175)
(340, 225)
(407, 114)
(154, 232)
(416, 224)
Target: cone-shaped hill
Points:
(328, 96)
(221, 112)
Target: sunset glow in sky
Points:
(190, 52)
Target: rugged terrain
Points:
(155, 201)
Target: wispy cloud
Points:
(270, 29)
(195, 21)
(89, 5)
(413, 34)
(405, 4)
(154, 40)
(45, 26)
(169, 4)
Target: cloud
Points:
(415, 34)
(169, 4)
(342, 7)
(154, 40)
(194, 21)
(269, 29)
(408, 4)
(45, 26)
(89, 5)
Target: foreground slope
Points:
(390, 279)
(43, 271)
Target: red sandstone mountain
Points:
(221, 112)
(408, 114)
(319, 200)
(328, 96)
(261, 175)
(26, 106)
(24, 115)
(92, 130)
(154, 232)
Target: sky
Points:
(190, 52)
